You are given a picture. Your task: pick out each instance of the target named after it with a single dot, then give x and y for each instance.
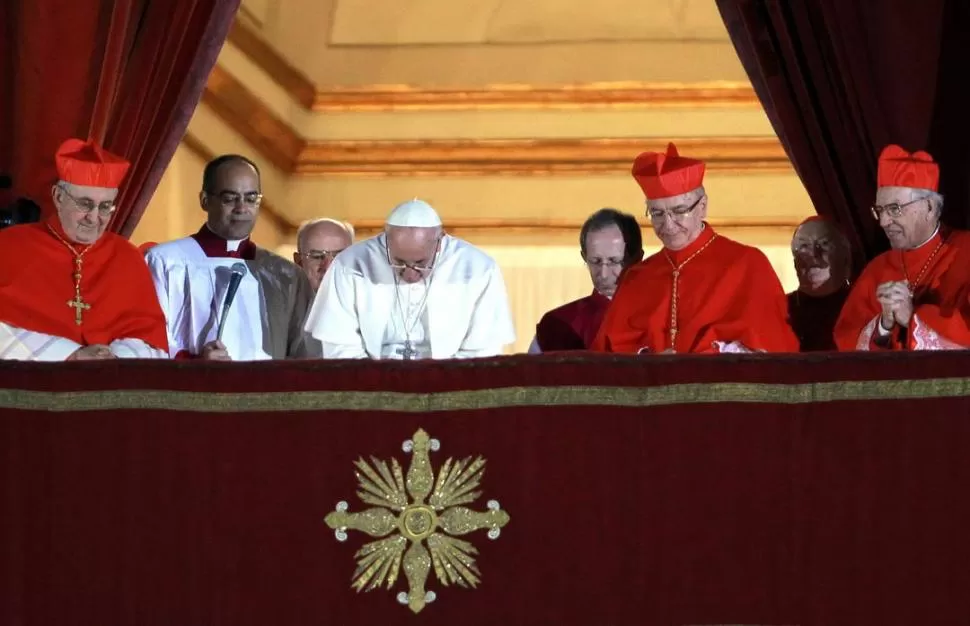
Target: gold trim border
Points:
(485, 399)
(610, 95)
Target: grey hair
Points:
(936, 199)
(693, 194)
(301, 231)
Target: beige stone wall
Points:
(447, 43)
(528, 220)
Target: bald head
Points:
(823, 257)
(411, 250)
(318, 242)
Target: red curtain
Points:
(128, 73)
(840, 79)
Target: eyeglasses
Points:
(319, 256)
(607, 263)
(675, 213)
(893, 210)
(231, 198)
(421, 269)
(88, 206)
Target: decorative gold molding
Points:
(280, 144)
(246, 114)
(532, 97)
(621, 95)
(505, 157)
(248, 41)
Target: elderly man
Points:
(609, 242)
(896, 302)
(823, 263)
(702, 293)
(69, 290)
(317, 243)
(193, 277)
(412, 292)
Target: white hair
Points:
(936, 199)
(305, 226)
(689, 197)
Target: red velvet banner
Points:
(747, 490)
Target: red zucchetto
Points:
(898, 168)
(87, 164)
(663, 175)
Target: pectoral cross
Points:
(79, 306)
(407, 352)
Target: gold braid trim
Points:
(505, 397)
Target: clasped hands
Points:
(896, 301)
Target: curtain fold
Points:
(127, 73)
(841, 79)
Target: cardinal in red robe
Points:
(823, 263)
(702, 293)
(609, 242)
(904, 299)
(69, 290)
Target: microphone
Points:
(238, 270)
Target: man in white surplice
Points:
(412, 292)
(266, 318)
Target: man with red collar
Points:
(192, 276)
(896, 302)
(702, 293)
(609, 242)
(69, 290)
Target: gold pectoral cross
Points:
(77, 303)
(79, 307)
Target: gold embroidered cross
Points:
(79, 306)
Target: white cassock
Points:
(265, 320)
(460, 311)
(18, 344)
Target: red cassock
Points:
(729, 299)
(573, 326)
(36, 283)
(939, 321)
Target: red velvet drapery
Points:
(840, 79)
(754, 489)
(128, 73)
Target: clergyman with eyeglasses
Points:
(70, 289)
(412, 292)
(192, 277)
(609, 242)
(895, 304)
(702, 292)
(318, 242)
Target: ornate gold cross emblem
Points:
(418, 518)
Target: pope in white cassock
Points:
(412, 292)
(192, 276)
